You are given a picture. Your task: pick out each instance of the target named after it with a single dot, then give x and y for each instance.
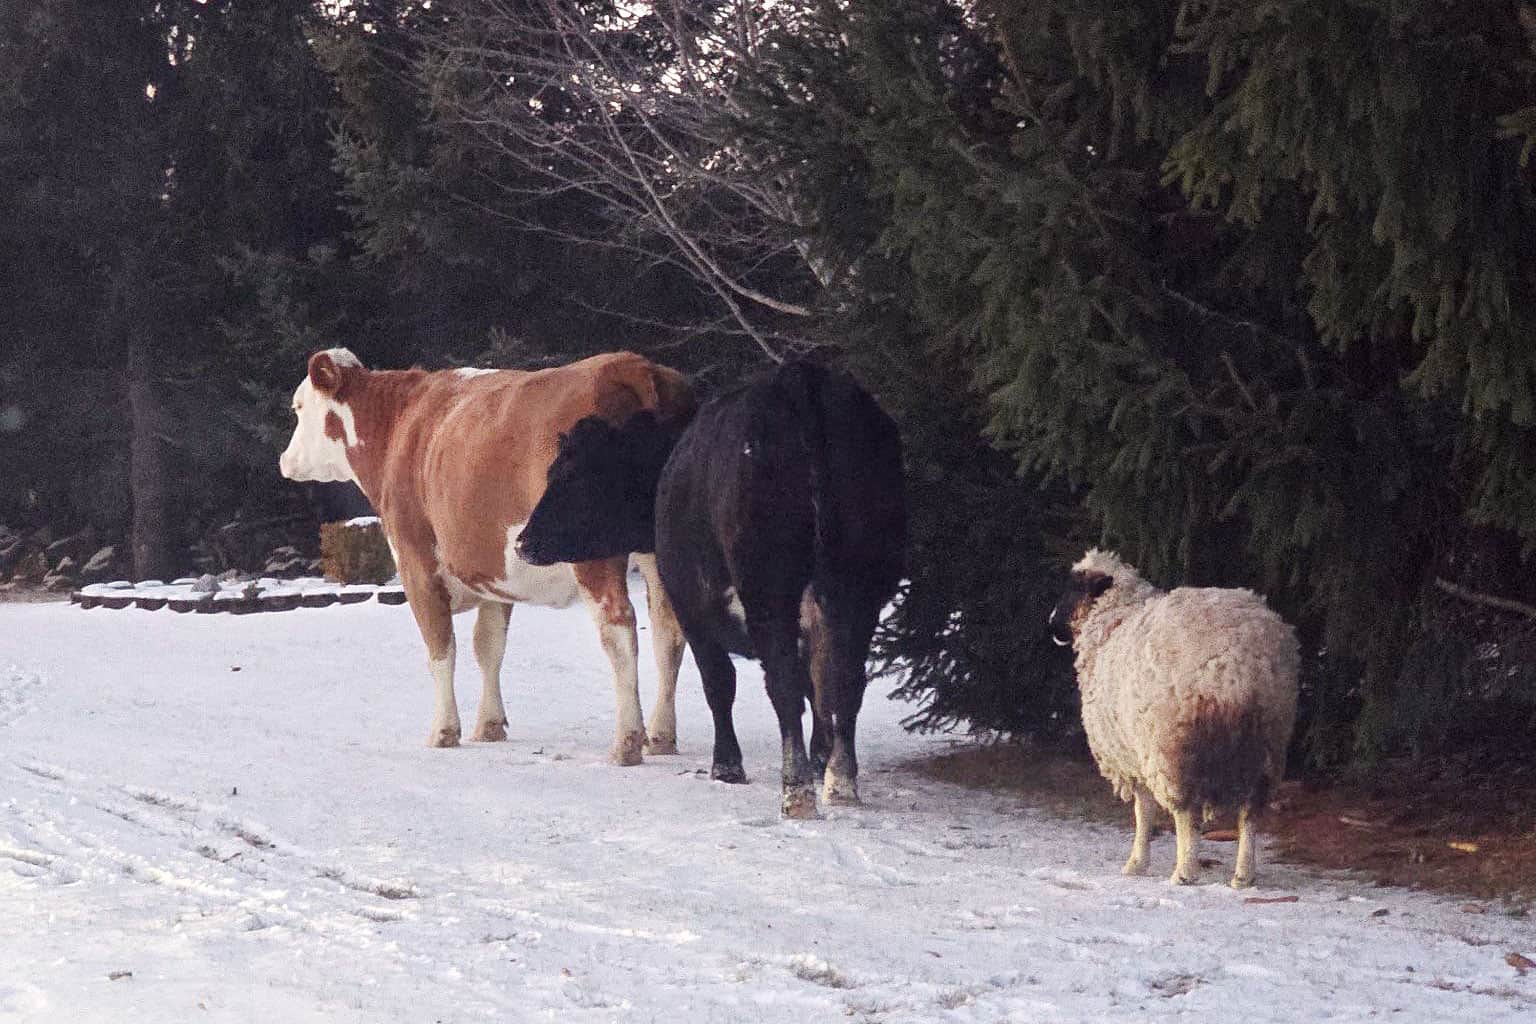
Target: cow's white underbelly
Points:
(550, 585)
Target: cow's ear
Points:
(325, 375)
(648, 443)
(637, 430)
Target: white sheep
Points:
(1189, 698)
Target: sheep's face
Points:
(1084, 589)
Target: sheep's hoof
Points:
(490, 732)
(626, 752)
(660, 744)
(1182, 878)
(1135, 866)
(447, 736)
(1241, 882)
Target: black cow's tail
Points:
(853, 454)
(804, 384)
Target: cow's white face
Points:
(324, 431)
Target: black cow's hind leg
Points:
(841, 784)
(848, 646)
(719, 677)
(821, 726)
(779, 643)
(815, 678)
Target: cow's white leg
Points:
(667, 644)
(434, 616)
(1137, 864)
(490, 646)
(607, 596)
(445, 713)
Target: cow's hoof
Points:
(661, 745)
(838, 790)
(1241, 882)
(627, 751)
(732, 773)
(490, 732)
(800, 803)
(445, 737)
(1134, 866)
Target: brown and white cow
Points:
(454, 462)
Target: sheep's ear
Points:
(1098, 584)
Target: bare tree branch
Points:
(632, 109)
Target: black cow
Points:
(780, 525)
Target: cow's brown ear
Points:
(325, 375)
(674, 395)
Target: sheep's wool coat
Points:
(1190, 693)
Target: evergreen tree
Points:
(1320, 387)
(843, 118)
(157, 151)
(1237, 289)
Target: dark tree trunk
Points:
(149, 470)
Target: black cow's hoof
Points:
(839, 790)
(800, 803)
(733, 773)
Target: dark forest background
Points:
(1245, 290)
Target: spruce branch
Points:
(1253, 327)
(1226, 360)
(1477, 597)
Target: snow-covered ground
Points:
(242, 812)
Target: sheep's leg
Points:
(1138, 863)
(1187, 868)
(1242, 877)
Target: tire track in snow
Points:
(225, 879)
(214, 854)
(233, 874)
(561, 922)
(16, 693)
